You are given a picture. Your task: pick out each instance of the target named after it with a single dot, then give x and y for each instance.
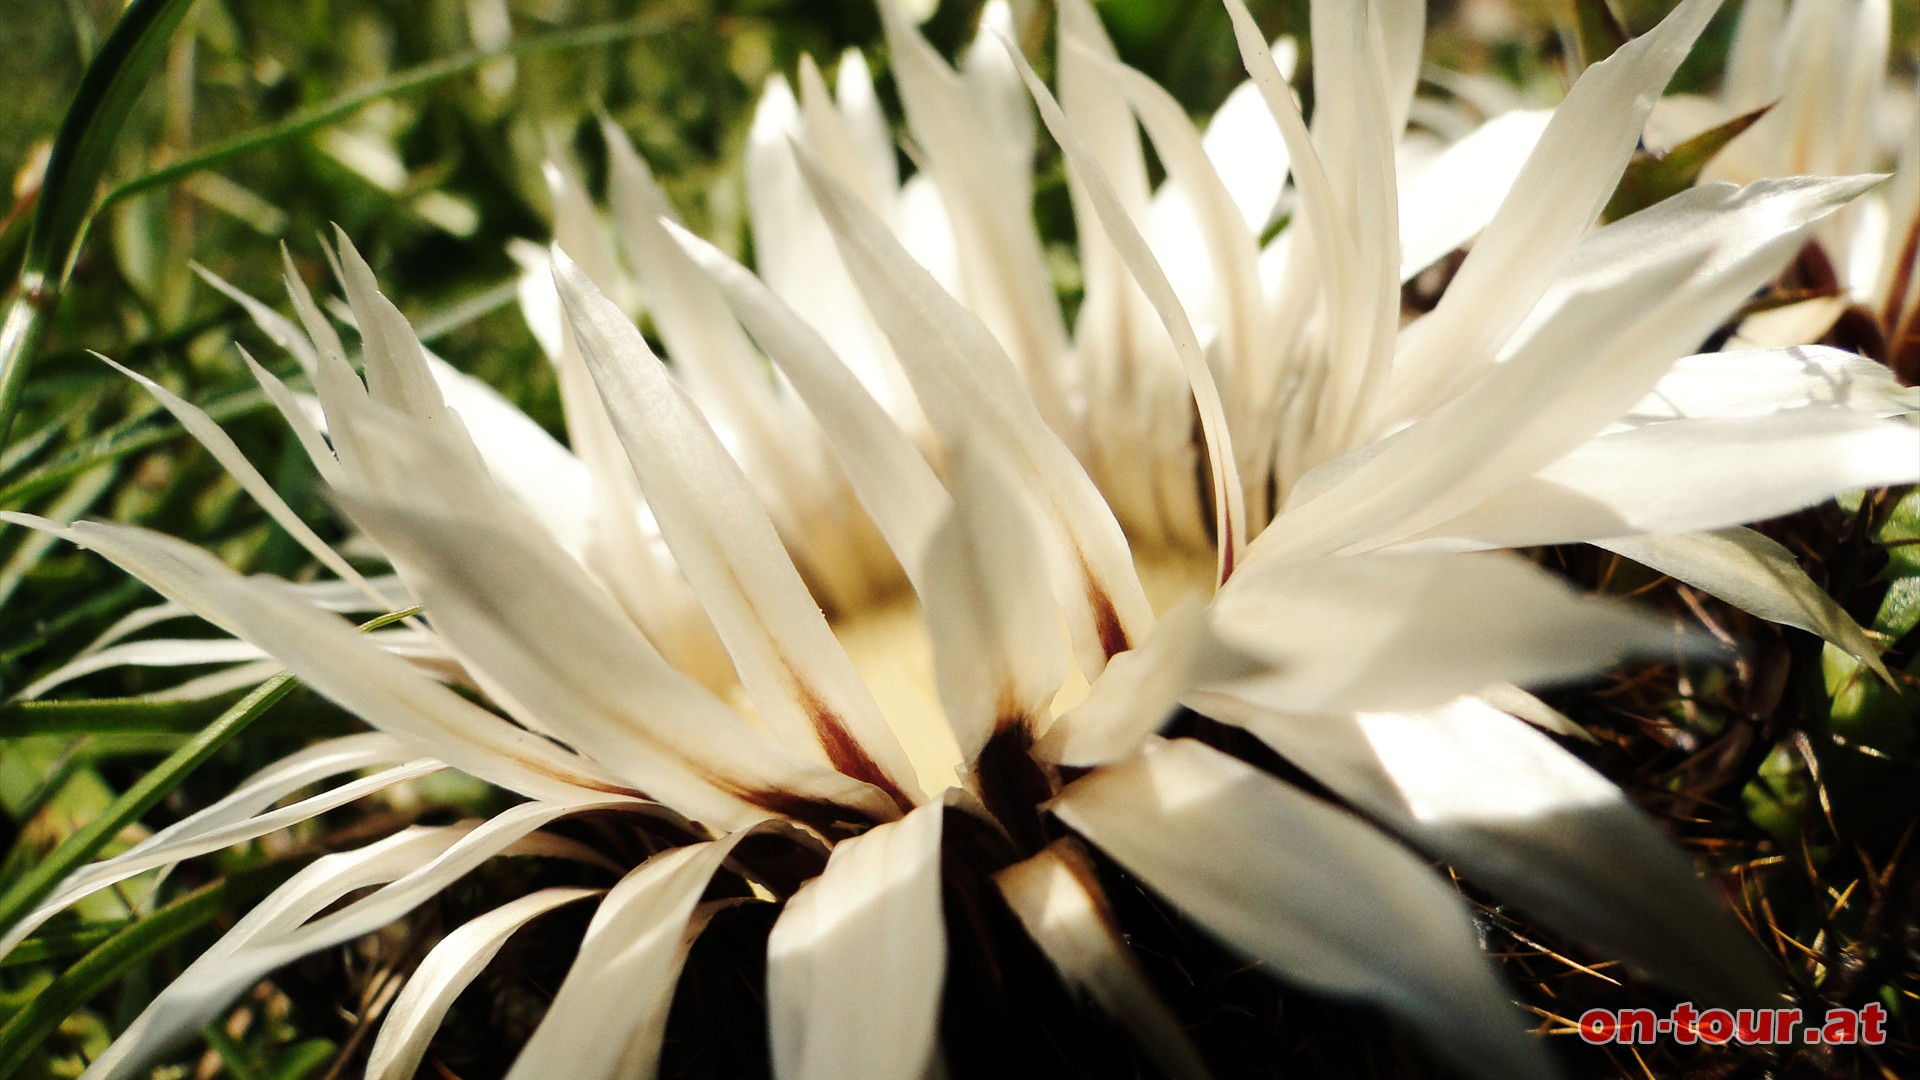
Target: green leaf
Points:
(123, 952)
(58, 768)
(78, 162)
(33, 632)
(1652, 177)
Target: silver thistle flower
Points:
(643, 613)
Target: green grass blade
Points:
(415, 78)
(302, 1059)
(30, 445)
(122, 952)
(81, 151)
(19, 337)
(83, 845)
(92, 125)
(126, 716)
(44, 947)
(76, 500)
(128, 437)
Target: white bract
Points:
(883, 550)
(1822, 69)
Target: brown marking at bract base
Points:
(1106, 618)
(1903, 327)
(554, 772)
(1227, 565)
(1813, 272)
(844, 751)
(780, 857)
(1012, 784)
(1856, 331)
(1903, 353)
(830, 819)
(1903, 269)
(589, 783)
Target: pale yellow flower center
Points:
(889, 646)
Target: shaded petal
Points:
(1402, 28)
(624, 548)
(294, 411)
(777, 444)
(529, 464)
(198, 993)
(1764, 381)
(1321, 212)
(1452, 199)
(793, 250)
(610, 1013)
(326, 595)
(396, 364)
(1316, 893)
(857, 960)
(1141, 690)
(1354, 128)
(1248, 151)
(1531, 823)
(1229, 500)
(530, 621)
(1633, 299)
(221, 446)
(1059, 901)
(893, 481)
(447, 970)
(240, 816)
(1510, 699)
(236, 961)
(150, 652)
(1123, 357)
(980, 156)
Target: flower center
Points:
(890, 648)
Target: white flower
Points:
(644, 611)
(1822, 70)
